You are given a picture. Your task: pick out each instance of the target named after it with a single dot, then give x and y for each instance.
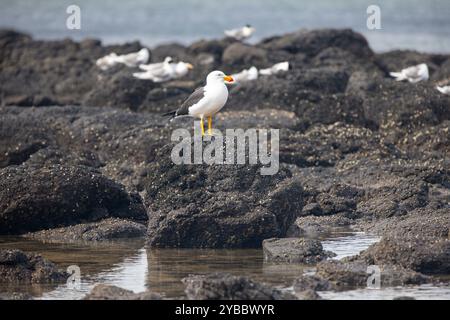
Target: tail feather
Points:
(398, 75)
(171, 114)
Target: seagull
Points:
(107, 61)
(413, 74)
(130, 60)
(163, 71)
(205, 101)
(444, 90)
(135, 58)
(240, 33)
(246, 75)
(157, 65)
(278, 67)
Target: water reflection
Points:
(168, 266)
(98, 261)
(423, 292)
(128, 264)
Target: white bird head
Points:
(248, 30)
(142, 56)
(182, 68)
(218, 77)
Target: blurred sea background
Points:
(406, 24)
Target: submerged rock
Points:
(17, 266)
(109, 292)
(353, 273)
(223, 286)
(294, 250)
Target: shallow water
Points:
(346, 244)
(128, 264)
(423, 292)
(411, 24)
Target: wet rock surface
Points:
(357, 149)
(354, 273)
(294, 250)
(223, 205)
(107, 229)
(17, 266)
(223, 286)
(38, 198)
(109, 292)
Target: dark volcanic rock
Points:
(417, 241)
(17, 266)
(314, 41)
(425, 256)
(394, 105)
(223, 286)
(107, 229)
(396, 199)
(117, 142)
(244, 55)
(314, 283)
(313, 226)
(324, 145)
(222, 205)
(399, 59)
(109, 292)
(121, 90)
(15, 296)
(349, 274)
(294, 250)
(51, 72)
(369, 151)
(33, 199)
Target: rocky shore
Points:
(85, 155)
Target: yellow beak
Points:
(189, 66)
(228, 79)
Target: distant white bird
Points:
(107, 61)
(135, 58)
(164, 71)
(240, 33)
(278, 67)
(246, 75)
(412, 74)
(205, 101)
(131, 59)
(157, 65)
(444, 90)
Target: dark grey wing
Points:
(194, 98)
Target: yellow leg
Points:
(210, 125)
(202, 126)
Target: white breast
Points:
(214, 99)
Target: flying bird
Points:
(444, 90)
(278, 67)
(206, 101)
(413, 74)
(130, 60)
(246, 75)
(240, 33)
(164, 71)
